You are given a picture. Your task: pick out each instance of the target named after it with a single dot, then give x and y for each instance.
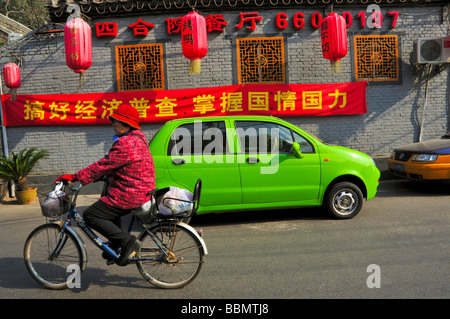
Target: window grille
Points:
(376, 58)
(140, 67)
(260, 60)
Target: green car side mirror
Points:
(296, 150)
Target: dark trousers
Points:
(106, 220)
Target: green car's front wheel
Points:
(344, 200)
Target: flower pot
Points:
(26, 197)
(3, 190)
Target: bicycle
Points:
(171, 254)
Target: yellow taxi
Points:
(423, 161)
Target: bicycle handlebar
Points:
(75, 190)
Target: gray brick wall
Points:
(392, 119)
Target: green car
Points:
(260, 162)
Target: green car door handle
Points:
(178, 161)
(252, 160)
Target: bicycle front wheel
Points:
(170, 256)
(48, 253)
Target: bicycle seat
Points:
(146, 211)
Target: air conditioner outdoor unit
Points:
(434, 50)
(13, 36)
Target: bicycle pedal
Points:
(110, 262)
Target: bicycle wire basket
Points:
(54, 204)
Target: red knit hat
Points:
(126, 114)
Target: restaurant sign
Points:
(372, 18)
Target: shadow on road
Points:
(260, 216)
(20, 279)
(401, 188)
(391, 188)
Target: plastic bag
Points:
(57, 193)
(169, 205)
(56, 203)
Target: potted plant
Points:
(16, 167)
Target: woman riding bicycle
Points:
(131, 176)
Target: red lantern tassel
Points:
(81, 80)
(335, 66)
(13, 94)
(195, 66)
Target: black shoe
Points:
(132, 245)
(109, 259)
(107, 256)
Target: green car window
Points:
(305, 145)
(264, 137)
(200, 137)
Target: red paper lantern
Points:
(78, 46)
(11, 75)
(194, 39)
(334, 40)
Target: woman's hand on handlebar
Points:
(66, 178)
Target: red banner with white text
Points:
(159, 106)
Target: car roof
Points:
(428, 146)
(215, 117)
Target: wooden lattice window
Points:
(140, 67)
(260, 60)
(376, 57)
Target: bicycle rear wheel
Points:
(48, 253)
(178, 261)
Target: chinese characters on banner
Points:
(159, 106)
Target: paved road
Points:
(290, 254)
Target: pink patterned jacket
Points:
(129, 165)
